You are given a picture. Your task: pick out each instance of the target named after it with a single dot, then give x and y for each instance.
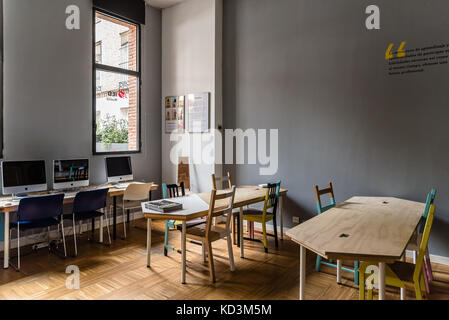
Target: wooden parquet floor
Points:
(120, 272)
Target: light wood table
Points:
(8, 206)
(244, 196)
(362, 228)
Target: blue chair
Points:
(89, 205)
(38, 212)
(321, 209)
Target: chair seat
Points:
(413, 243)
(130, 204)
(403, 270)
(190, 224)
(84, 215)
(199, 233)
(36, 224)
(256, 215)
(396, 274)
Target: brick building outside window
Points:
(117, 77)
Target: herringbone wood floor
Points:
(119, 272)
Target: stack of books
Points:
(163, 206)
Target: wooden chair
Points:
(417, 239)
(227, 179)
(264, 216)
(208, 233)
(235, 215)
(175, 191)
(320, 209)
(133, 196)
(403, 274)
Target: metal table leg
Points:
(114, 217)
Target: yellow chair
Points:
(402, 274)
(264, 216)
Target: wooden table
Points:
(13, 206)
(244, 196)
(361, 228)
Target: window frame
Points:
(106, 68)
(100, 43)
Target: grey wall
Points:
(48, 87)
(311, 69)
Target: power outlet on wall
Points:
(295, 219)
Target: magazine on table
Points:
(163, 205)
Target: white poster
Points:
(197, 109)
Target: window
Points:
(98, 52)
(116, 105)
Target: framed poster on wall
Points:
(198, 112)
(174, 114)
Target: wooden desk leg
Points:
(148, 243)
(381, 280)
(6, 241)
(242, 253)
(302, 271)
(183, 249)
(114, 218)
(281, 220)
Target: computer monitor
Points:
(70, 173)
(21, 177)
(118, 169)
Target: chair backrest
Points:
(173, 190)
(271, 197)
(424, 242)
(91, 200)
(318, 193)
(214, 212)
(228, 178)
(430, 200)
(38, 208)
(137, 191)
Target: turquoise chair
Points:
(171, 191)
(320, 209)
(430, 200)
(174, 191)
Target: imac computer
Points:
(21, 177)
(69, 174)
(118, 169)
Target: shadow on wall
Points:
(295, 209)
(439, 235)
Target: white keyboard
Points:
(70, 194)
(121, 185)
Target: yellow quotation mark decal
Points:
(389, 54)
